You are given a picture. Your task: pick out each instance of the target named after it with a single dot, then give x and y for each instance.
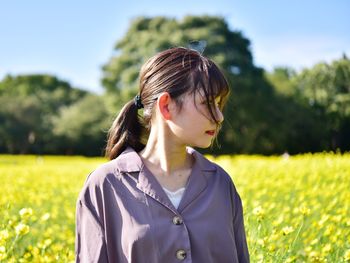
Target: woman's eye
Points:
(211, 102)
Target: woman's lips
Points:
(211, 133)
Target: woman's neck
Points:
(164, 154)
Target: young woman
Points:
(158, 199)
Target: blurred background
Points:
(67, 67)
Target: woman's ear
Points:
(164, 101)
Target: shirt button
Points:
(181, 254)
(177, 220)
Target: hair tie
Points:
(137, 102)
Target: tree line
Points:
(267, 112)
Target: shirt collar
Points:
(129, 161)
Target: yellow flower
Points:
(260, 258)
(47, 242)
(347, 255)
(304, 210)
(337, 218)
(11, 223)
(262, 241)
(278, 221)
(314, 242)
(27, 255)
(45, 217)
(26, 213)
(36, 251)
(4, 235)
(22, 229)
(272, 248)
(287, 230)
(2, 253)
(329, 230)
(347, 222)
(259, 212)
(323, 220)
(315, 257)
(291, 259)
(326, 249)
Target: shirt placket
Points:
(148, 184)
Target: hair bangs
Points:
(211, 84)
(217, 85)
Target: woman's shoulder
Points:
(99, 174)
(97, 179)
(113, 167)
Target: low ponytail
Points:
(125, 131)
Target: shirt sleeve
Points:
(239, 231)
(90, 245)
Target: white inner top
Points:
(175, 197)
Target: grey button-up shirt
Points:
(124, 215)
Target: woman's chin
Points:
(202, 145)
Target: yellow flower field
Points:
(296, 209)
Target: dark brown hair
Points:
(178, 71)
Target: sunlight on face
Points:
(201, 104)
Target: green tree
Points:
(253, 121)
(326, 89)
(82, 126)
(27, 104)
(19, 118)
(282, 80)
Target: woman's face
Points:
(192, 125)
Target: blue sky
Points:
(73, 39)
